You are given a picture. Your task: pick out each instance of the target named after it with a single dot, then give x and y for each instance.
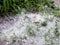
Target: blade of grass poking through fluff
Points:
(5, 5)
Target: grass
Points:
(15, 6)
(7, 6)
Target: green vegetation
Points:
(44, 23)
(7, 6)
(57, 32)
(31, 32)
(15, 6)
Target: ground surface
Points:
(30, 29)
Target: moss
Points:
(37, 23)
(44, 23)
(57, 32)
(31, 33)
(14, 40)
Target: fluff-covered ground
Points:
(30, 29)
